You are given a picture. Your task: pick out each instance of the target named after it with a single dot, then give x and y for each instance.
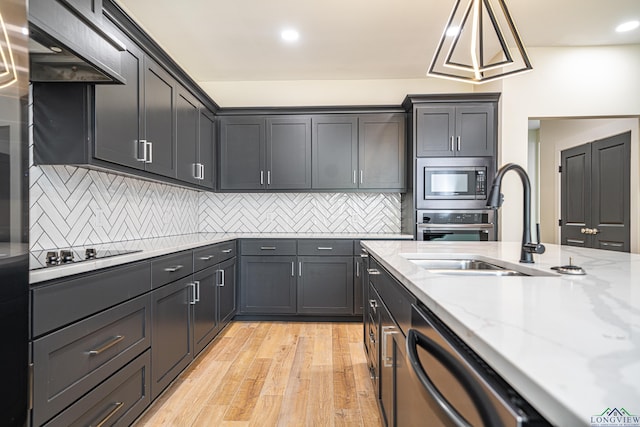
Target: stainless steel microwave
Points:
(453, 183)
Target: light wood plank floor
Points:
(273, 374)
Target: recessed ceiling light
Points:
(628, 26)
(289, 35)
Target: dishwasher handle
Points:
(487, 412)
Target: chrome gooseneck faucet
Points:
(496, 198)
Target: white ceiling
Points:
(238, 40)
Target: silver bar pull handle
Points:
(267, 248)
(451, 146)
(222, 278)
(261, 177)
(458, 143)
(268, 177)
(144, 150)
(106, 346)
(387, 358)
(197, 298)
(116, 407)
(361, 176)
(325, 248)
(196, 170)
(150, 151)
(354, 176)
(300, 269)
(293, 269)
(357, 269)
(373, 271)
(201, 171)
(206, 258)
(193, 286)
(173, 269)
(226, 251)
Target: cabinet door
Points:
(227, 300)
(159, 115)
(386, 380)
(207, 148)
(118, 119)
(475, 130)
(325, 285)
(187, 129)
(382, 151)
(288, 153)
(435, 131)
(268, 284)
(358, 285)
(205, 309)
(171, 339)
(334, 146)
(242, 153)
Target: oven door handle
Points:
(483, 405)
(422, 225)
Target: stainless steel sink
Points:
(464, 267)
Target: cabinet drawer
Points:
(66, 301)
(117, 401)
(268, 247)
(168, 268)
(325, 247)
(213, 254)
(73, 360)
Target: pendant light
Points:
(479, 44)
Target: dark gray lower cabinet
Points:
(205, 309)
(358, 285)
(386, 365)
(116, 402)
(227, 298)
(325, 285)
(171, 339)
(268, 284)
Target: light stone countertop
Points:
(150, 248)
(570, 345)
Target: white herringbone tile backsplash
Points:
(71, 206)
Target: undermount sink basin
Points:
(464, 267)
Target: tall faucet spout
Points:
(495, 201)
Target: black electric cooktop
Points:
(56, 257)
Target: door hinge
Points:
(559, 169)
(559, 223)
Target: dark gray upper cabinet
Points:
(334, 145)
(382, 151)
(464, 129)
(366, 151)
(118, 119)
(159, 113)
(195, 129)
(242, 153)
(258, 153)
(288, 152)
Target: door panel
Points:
(435, 126)
(335, 152)
(611, 192)
(595, 194)
(242, 153)
(187, 138)
(289, 153)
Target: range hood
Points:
(68, 46)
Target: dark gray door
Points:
(205, 316)
(382, 151)
(325, 285)
(475, 130)
(159, 110)
(171, 339)
(288, 153)
(334, 147)
(207, 148)
(227, 299)
(435, 129)
(242, 153)
(187, 115)
(596, 194)
(358, 285)
(118, 117)
(268, 284)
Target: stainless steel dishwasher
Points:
(453, 386)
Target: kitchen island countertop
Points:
(570, 345)
(150, 248)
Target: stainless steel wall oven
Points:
(456, 225)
